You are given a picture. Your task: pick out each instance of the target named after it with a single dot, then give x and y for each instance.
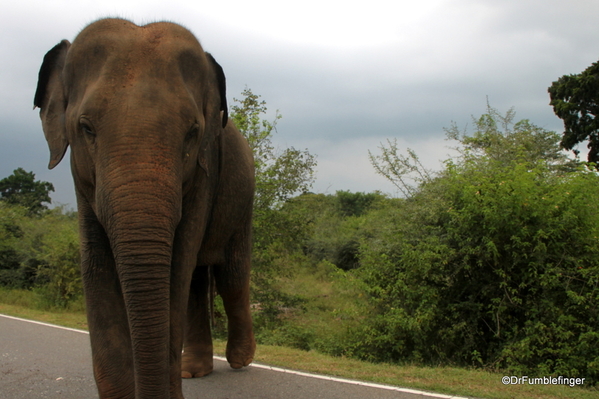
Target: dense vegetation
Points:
(39, 247)
(492, 262)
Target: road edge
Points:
(281, 370)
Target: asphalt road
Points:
(39, 360)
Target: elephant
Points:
(164, 183)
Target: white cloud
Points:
(325, 23)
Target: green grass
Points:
(331, 303)
(28, 305)
(446, 380)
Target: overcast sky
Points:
(345, 75)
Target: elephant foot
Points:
(195, 366)
(240, 353)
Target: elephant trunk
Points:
(140, 216)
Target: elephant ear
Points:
(50, 98)
(222, 87)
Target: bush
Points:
(335, 224)
(490, 264)
(40, 252)
(11, 218)
(59, 252)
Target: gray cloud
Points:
(428, 66)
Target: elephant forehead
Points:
(129, 34)
(125, 50)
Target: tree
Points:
(496, 138)
(58, 259)
(21, 188)
(279, 175)
(40, 252)
(355, 204)
(495, 267)
(403, 171)
(333, 224)
(491, 263)
(575, 100)
(11, 233)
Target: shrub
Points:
(490, 264)
(40, 251)
(60, 253)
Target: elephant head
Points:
(141, 108)
(97, 59)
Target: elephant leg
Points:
(107, 318)
(233, 285)
(197, 359)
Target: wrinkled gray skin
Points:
(164, 194)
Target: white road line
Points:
(352, 382)
(45, 324)
(282, 370)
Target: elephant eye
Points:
(192, 132)
(86, 127)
